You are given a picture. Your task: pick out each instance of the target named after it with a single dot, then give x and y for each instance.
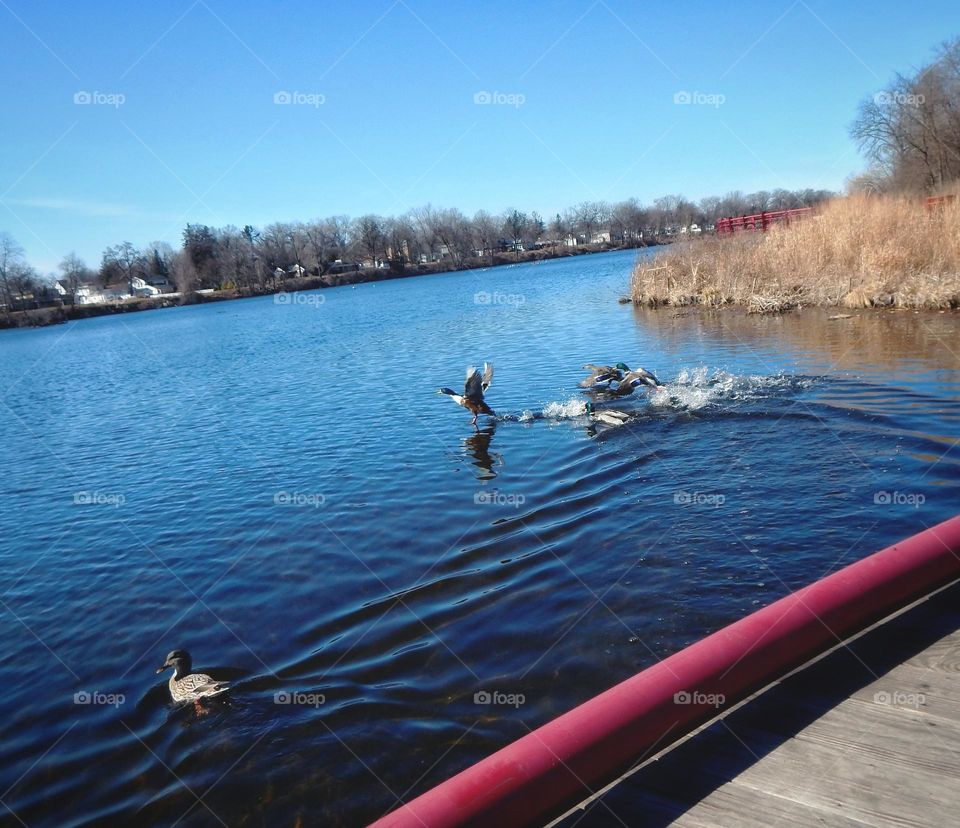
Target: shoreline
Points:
(851, 253)
(41, 317)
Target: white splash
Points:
(573, 407)
(696, 388)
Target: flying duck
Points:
(474, 387)
(632, 379)
(602, 373)
(186, 686)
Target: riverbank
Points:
(54, 315)
(856, 252)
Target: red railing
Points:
(760, 221)
(932, 203)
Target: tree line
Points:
(251, 258)
(910, 130)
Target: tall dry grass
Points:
(858, 251)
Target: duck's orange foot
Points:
(199, 708)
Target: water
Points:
(278, 489)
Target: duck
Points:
(186, 686)
(607, 415)
(602, 373)
(473, 390)
(633, 379)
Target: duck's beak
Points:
(162, 668)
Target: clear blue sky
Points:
(199, 138)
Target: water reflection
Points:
(478, 446)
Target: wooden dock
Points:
(868, 735)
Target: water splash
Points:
(698, 388)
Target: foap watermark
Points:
(698, 698)
(899, 698)
(498, 498)
(899, 98)
(514, 99)
(314, 99)
(685, 98)
(312, 499)
(496, 297)
(685, 498)
(95, 697)
(95, 98)
(88, 498)
(498, 697)
(914, 499)
(296, 697)
(308, 299)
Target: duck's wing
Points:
(642, 376)
(598, 374)
(473, 387)
(487, 375)
(198, 684)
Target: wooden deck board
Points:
(870, 735)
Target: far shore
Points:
(54, 315)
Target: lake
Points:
(274, 485)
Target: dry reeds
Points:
(856, 252)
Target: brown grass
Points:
(856, 252)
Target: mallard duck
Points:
(474, 387)
(602, 373)
(607, 415)
(632, 379)
(186, 686)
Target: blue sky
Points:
(184, 127)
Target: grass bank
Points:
(856, 252)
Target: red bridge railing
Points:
(760, 221)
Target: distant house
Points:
(343, 267)
(161, 283)
(570, 240)
(141, 288)
(600, 237)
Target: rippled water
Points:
(278, 489)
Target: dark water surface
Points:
(277, 488)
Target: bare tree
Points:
(74, 272)
(485, 232)
(911, 129)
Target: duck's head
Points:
(622, 366)
(178, 659)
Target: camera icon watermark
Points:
(514, 99)
(899, 698)
(497, 498)
(685, 498)
(700, 699)
(499, 698)
(88, 498)
(914, 499)
(496, 297)
(685, 98)
(899, 98)
(307, 299)
(300, 499)
(85, 98)
(296, 697)
(95, 697)
(314, 99)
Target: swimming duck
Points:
(474, 387)
(632, 379)
(186, 686)
(602, 373)
(607, 415)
